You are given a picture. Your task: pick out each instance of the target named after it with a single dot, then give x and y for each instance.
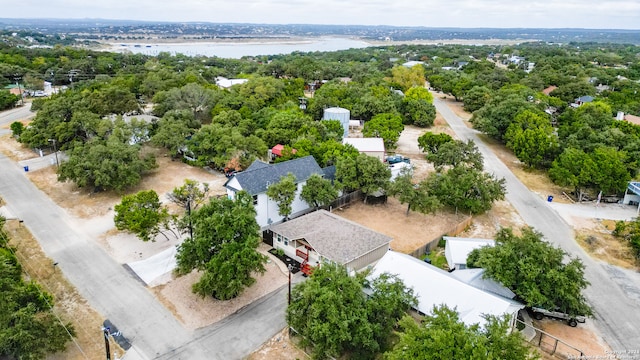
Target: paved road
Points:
(112, 291)
(614, 293)
(9, 116)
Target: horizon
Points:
(463, 14)
(91, 19)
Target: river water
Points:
(236, 50)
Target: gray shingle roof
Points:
(333, 237)
(257, 178)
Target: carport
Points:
(632, 195)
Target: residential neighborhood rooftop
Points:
(332, 236)
(257, 177)
(458, 249)
(433, 287)
(365, 144)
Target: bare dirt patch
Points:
(583, 337)
(195, 312)
(599, 243)
(409, 232)
(280, 347)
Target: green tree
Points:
(466, 189)
(190, 195)
(415, 196)
(610, 174)
(532, 139)
(454, 153)
(418, 112)
(535, 271)
(442, 336)
(408, 78)
(387, 126)
(108, 164)
(430, 142)
(476, 98)
(495, 117)
(366, 173)
(630, 231)
(28, 327)
(8, 100)
(332, 313)
(573, 168)
(284, 193)
(142, 214)
(16, 129)
(173, 130)
(224, 247)
(318, 191)
(419, 93)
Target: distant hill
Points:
(103, 29)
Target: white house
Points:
(368, 146)
(256, 179)
(322, 236)
(456, 250)
(225, 83)
(434, 287)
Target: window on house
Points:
(286, 242)
(255, 199)
(279, 237)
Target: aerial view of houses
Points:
(396, 199)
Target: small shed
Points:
(368, 146)
(457, 250)
(277, 150)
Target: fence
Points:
(551, 344)
(455, 230)
(344, 200)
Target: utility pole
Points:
(189, 214)
(289, 298)
(105, 332)
(17, 78)
(55, 151)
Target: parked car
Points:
(394, 159)
(539, 313)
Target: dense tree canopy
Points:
(363, 172)
(108, 164)
(332, 312)
(442, 336)
(319, 191)
(142, 214)
(466, 189)
(223, 246)
(536, 271)
(28, 327)
(416, 196)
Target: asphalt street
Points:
(151, 329)
(614, 293)
(9, 116)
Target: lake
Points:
(236, 50)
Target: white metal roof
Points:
(457, 249)
(366, 144)
(433, 286)
(474, 277)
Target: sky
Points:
(591, 14)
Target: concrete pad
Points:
(155, 266)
